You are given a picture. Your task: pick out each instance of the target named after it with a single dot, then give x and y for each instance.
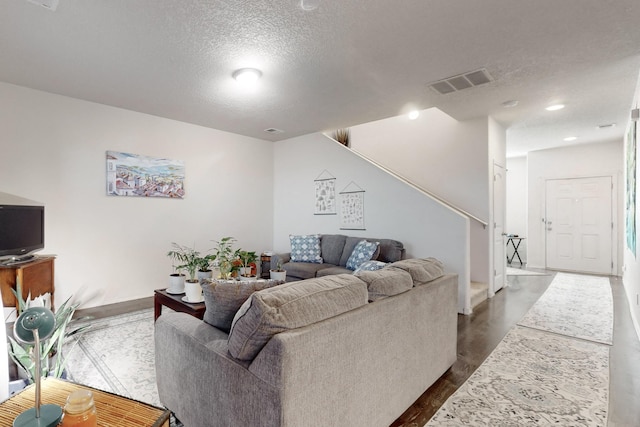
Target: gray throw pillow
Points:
(290, 306)
(223, 298)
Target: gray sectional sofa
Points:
(339, 350)
(335, 251)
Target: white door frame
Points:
(498, 258)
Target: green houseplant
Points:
(278, 273)
(52, 361)
(247, 259)
(224, 256)
(190, 261)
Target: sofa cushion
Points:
(370, 266)
(223, 298)
(422, 270)
(304, 270)
(362, 252)
(385, 282)
(332, 246)
(334, 269)
(305, 248)
(290, 306)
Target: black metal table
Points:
(515, 242)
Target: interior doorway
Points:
(499, 258)
(579, 227)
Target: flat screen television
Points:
(21, 232)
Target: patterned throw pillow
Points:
(305, 248)
(370, 266)
(361, 253)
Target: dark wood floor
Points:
(482, 331)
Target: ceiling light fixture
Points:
(414, 115)
(247, 76)
(570, 138)
(309, 4)
(555, 107)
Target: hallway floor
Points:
(482, 331)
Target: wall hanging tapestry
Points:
(631, 189)
(144, 176)
(325, 188)
(352, 207)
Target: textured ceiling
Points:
(343, 64)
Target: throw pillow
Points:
(305, 248)
(361, 253)
(370, 266)
(290, 306)
(223, 298)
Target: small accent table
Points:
(174, 302)
(113, 410)
(515, 242)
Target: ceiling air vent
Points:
(461, 82)
(273, 130)
(47, 4)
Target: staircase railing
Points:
(420, 189)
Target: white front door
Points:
(578, 224)
(499, 260)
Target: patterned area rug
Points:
(533, 378)
(117, 355)
(576, 306)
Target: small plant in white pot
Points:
(191, 262)
(176, 279)
(204, 270)
(224, 256)
(248, 260)
(278, 273)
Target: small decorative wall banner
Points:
(325, 187)
(352, 207)
(143, 176)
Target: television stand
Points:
(35, 276)
(17, 260)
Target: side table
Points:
(174, 302)
(515, 243)
(113, 410)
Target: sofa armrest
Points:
(282, 257)
(201, 383)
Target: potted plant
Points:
(224, 256)
(248, 262)
(52, 361)
(191, 262)
(205, 271)
(278, 273)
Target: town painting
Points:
(144, 176)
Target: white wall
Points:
(446, 157)
(52, 150)
(516, 218)
(602, 159)
(392, 209)
(631, 275)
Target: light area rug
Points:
(533, 378)
(116, 355)
(576, 306)
(521, 272)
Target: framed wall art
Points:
(352, 208)
(143, 176)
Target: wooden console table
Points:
(174, 302)
(35, 276)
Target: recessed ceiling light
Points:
(570, 138)
(247, 76)
(608, 125)
(555, 107)
(510, 104)
(414, 115)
